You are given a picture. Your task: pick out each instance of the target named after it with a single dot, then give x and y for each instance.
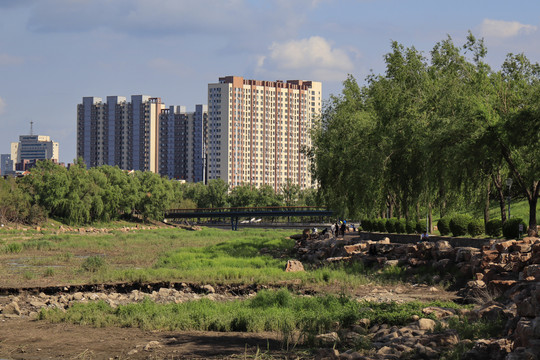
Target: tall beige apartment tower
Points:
(118, 132)
(258, 129)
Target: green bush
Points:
(401, 227)
(93, 264)
(475, 227)
(380, 225)
(391, 225)
(444, 225)
(494, 228)
(458, 224)
(420, 228)
(510, 228)
(367, 225)
(411, 227)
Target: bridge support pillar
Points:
(234, 223)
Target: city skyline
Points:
(54, 52)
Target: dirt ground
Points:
(25, 338)
(32, 339)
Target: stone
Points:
(386, 350)
(384, 241)
(209, 289)
(294, 266)
(38, 304)
(77, 296)
(352, 249)
(12, 309)
(329, 339)
(152, 345)
(426, 324)
(438, 312)
(465, 254)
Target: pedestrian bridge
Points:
(234, 213)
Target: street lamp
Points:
(509, 184)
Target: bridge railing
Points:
(247, 209)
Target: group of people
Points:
(340, 227)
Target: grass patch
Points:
(275, 311)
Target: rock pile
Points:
(28, 305)
(505, 270)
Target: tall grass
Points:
(275, 311)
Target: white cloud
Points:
(2, 105)
(313, 57)
(505, 29)
(6, 59)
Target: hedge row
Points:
(393, 225)
(457, 225)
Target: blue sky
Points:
(54, 52)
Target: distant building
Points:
(119, 132)
(7, 167)
(32, 148)
(182, 144)
(257, 130)
(142, 135)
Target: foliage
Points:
(391, 225)
(458, 224)
(510, 228)
(431, 130)
(475, 227)
(277, 311)
(443, 225)
(494, 228)
(367, 225)
(93, 263)
(401, 226)
(410, 227)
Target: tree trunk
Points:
(497, 181)
(417, 212)
(533, 200)
(430, 219)
(486, 205)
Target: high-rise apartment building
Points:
(119, 132)
(7, 167)
(32, 148)
(183, 143)
(257, 130)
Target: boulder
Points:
(294, 266)
(327, 340)
(426, 324)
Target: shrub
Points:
(401, 227)
(411, 227)
(93, 264)
(494, 228)
(420, 227)
(391, 225)
(510, 228)
(380, 225)
(444, 226)
(458, 224)
(475, 227)
(367, 225)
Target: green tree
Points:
(216, 193)
(242, 196)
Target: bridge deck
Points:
(247, 212)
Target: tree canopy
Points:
(431, 131)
